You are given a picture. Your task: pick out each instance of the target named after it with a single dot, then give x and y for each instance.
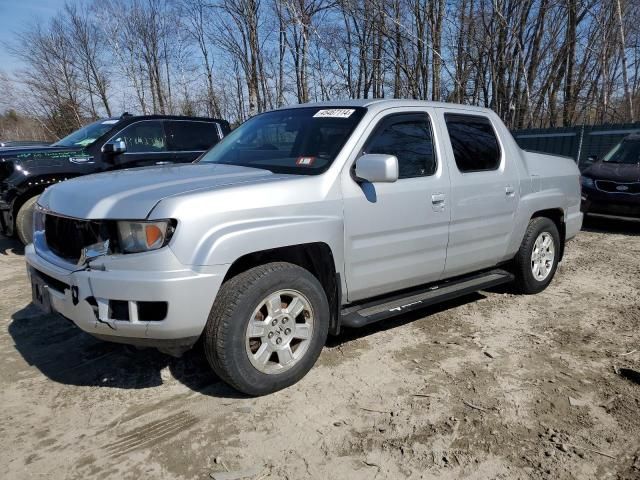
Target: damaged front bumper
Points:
(147, 299)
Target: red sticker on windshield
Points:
(305, 161)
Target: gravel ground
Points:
(489, 386)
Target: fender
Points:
(528, 206)
(224, 243)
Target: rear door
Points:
(484, 192)
(396, 233)
(188, 139)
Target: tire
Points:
(24, 220)
(242, 302)
(527, 281)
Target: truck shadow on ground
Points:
(611, 225)
(67, 355)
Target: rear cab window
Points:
(474, 142)
(189, 136)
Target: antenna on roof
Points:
(125, 115)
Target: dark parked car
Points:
(113, 143)
(611, 186)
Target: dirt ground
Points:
(490, 386)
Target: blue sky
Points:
(16, 15)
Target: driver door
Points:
(146, 145)
(396, 233)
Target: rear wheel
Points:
(24, 220)
(537, 259)
(267, 328)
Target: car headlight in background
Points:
(587, 182)
(143, 236)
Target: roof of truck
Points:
(136, 118)
(383, 103)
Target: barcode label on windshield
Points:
(334, 113)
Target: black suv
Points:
(113, 143)
(611, 186)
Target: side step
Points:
(359, 315)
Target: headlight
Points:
(143, 236)
(587, 182)
(39, 214)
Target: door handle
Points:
(438, 202)
(509, 191)
(438, 198)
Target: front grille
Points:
(615, 187)
(66, 237)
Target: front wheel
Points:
(537, 260)
(267, 327)
(24, 220)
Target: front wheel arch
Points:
(23, 217)
(317, 258)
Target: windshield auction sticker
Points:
(334, 113)
(305, 161)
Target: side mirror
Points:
(377, 168)
(114, 148)
(591, 159)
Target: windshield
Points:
(86, 135)
(627, 151)
(303, 141)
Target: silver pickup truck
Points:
(301, 222)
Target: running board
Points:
(359, 315)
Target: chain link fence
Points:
(578, 142)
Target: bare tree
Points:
(623, 60)
(535, 62)
(88, 45)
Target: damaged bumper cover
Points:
(111, 300)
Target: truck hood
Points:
(618, 172)
(45, 151)
(133, 193)
(34, 157)
(8, 148)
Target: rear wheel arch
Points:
(535, 264)
(317, 258)
(556, 215)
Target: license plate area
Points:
(40, 293)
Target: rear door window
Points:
(474, 142)
(188, 136)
